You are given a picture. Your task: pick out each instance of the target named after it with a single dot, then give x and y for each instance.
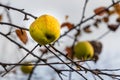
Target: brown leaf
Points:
(113, 27)
(66, 17)
(117, 8)
(1, 17)
(97, 46)
(118, 20)
(96, 25)
(78, 33)
(44, 51)
(78, 68)
(96, 57)
(110, 12)
(96, 71)
(69, 52)
(97, 21)
(87, 29)
(22, 35)
(100, 11)
(67, 24)
(106, 19)
(97, 49)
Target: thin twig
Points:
(35, 65)
(87, 20)
(20, 60)
(29, 53)
(52, 63)
(13, 25)
(65, 63)
(19, 10)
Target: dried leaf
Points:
(98, 20)
(118, 19)
(69, 52)
(96, 57)
(117, 8)
(100, 11)
(78, 33)
(106, 19)
(67, 24)
(97, 46)
(44, 51)
(22, 35)
(1, 17)
(96, 71)
(110, 12)
(78, 68)
(66, 17)
(96, 25)
(87, 29)
(113, 27)
(97, 49)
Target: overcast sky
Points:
(60, 8)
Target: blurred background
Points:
(10, 53)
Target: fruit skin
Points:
(26, 69)
(83, 50)
(45, 29)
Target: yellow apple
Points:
(26, 69)
(83, 50)
(45, 29)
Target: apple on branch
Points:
(83, 50)
(26, 69)
(45, 29)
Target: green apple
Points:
(83, 50)
(45, 29)
(26, 69)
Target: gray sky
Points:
(60, 8)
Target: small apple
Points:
(45, 29)
(26, 69)
(83, 50)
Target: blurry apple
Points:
(83, 50)
(26, 69)
(45, 29)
